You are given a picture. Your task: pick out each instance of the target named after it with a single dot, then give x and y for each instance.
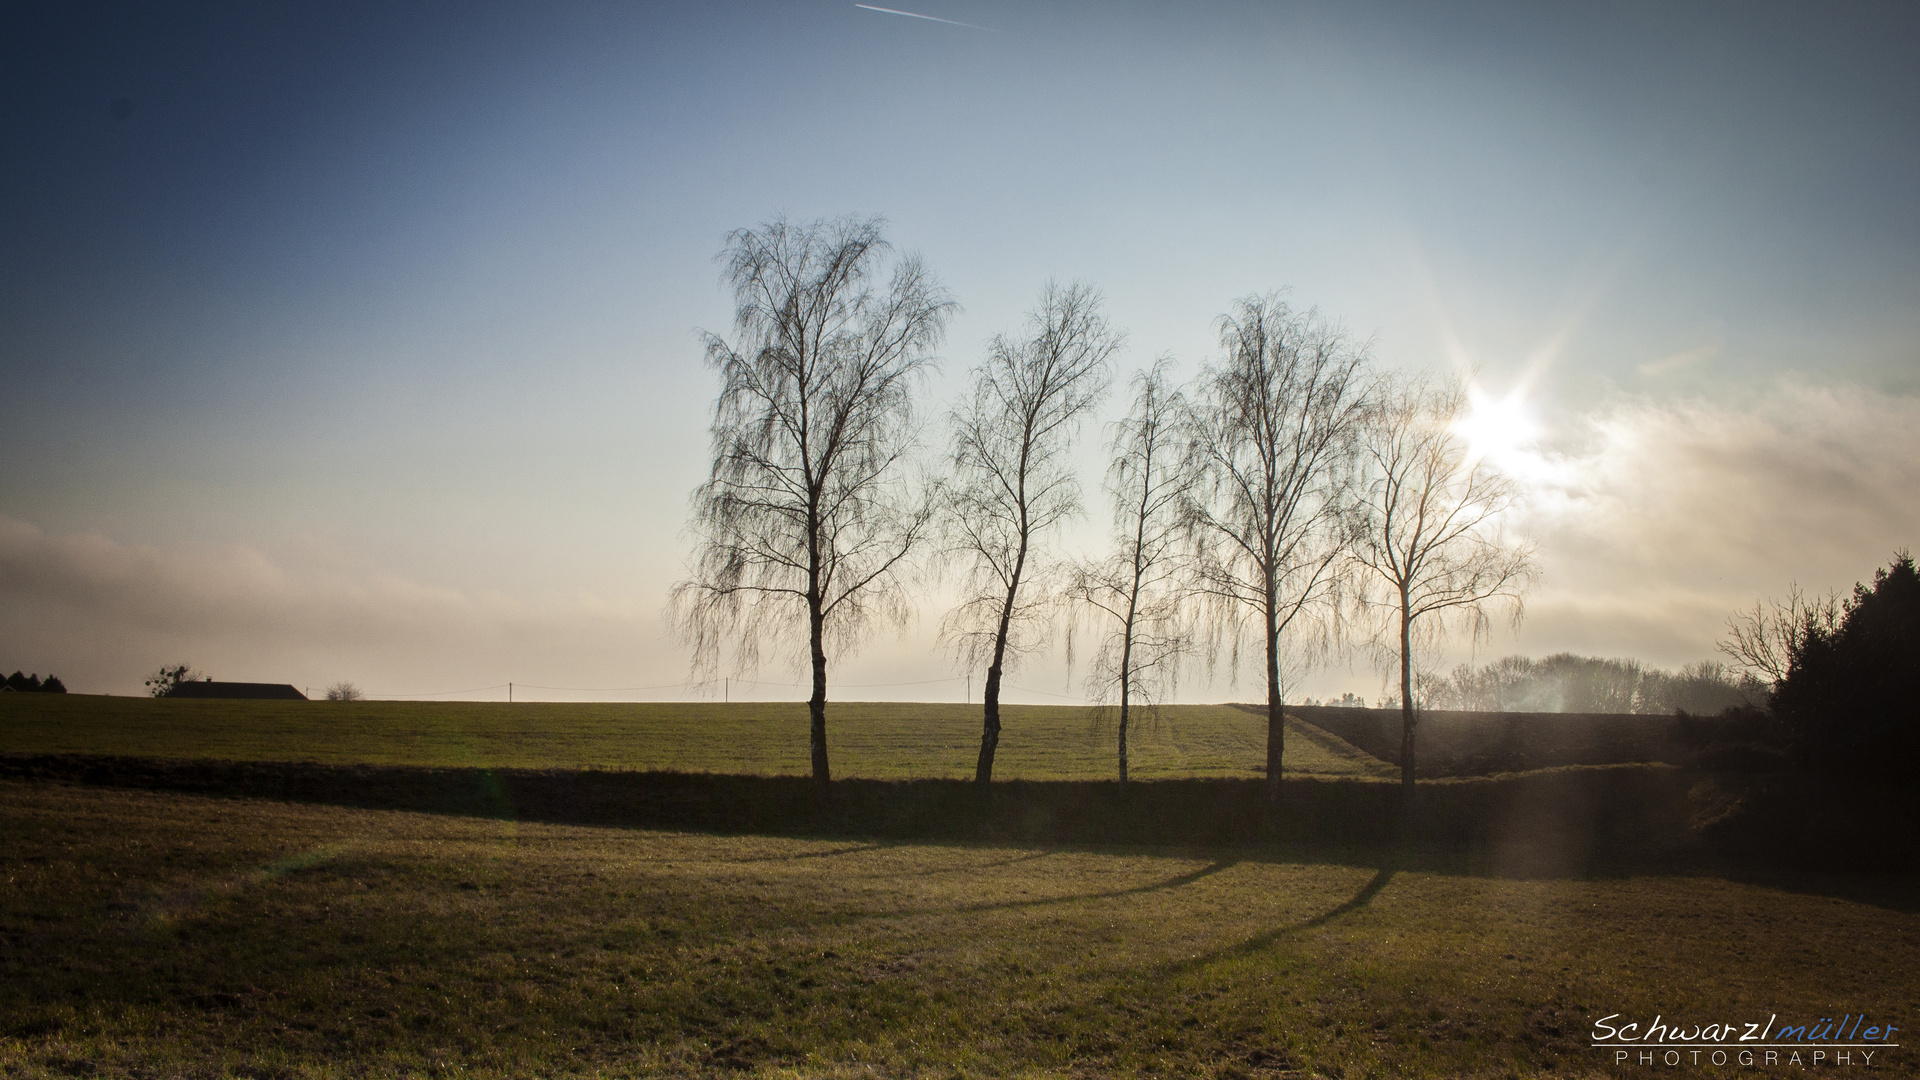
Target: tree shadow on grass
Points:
(851, 849)
(1174, 882)
(1892, 892)
(892, 845)
(1580, 823)
(1257, 942)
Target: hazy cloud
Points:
(103, 613)
(1656, 520)
(1676, 361)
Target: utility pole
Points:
(726, 691)
(509, 693)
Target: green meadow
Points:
(168, 935)
(150, 933)
(866, 739)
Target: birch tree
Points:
(1134, 594)
(1273, 430)
(1013, 484)
(806, 522)
(1427, 532)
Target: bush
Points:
(31, 684)
(343, 691)
(1851, 697)
(1741, 757)
(1743, 724)
(162, 682)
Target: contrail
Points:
(929, 18)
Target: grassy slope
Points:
(876, 740)
(1454, 743)
(165, 935)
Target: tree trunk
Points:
(1408, 719)
(990, 699)
(817, 704)
(990, 731)
(1276, 716)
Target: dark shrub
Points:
(1849, 701)
(1740, 757)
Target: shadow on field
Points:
(1892, 892)
(1254, 944)
(1159, 886)
(851, 849)
(1357, 901)
(1581, 821)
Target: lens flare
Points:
(1498, 428)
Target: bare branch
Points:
(1426, 533)
(1013, 484)
(1134, 596)
(804, 526)
(1272, 435)
(1764, 641)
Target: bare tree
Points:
(344, 691)
(1273, 429)
(805, 524)
(1013, 484)
(1134, 594)
(1764, 641)
(162, 682)
(1427, 532)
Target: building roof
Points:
(265, 691)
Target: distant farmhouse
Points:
(250, 691)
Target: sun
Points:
(1497, 428)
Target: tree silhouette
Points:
(1851, 695)
(1765, 640)
(1013, 484)
(162, 682)
(1427, 531)
(805, 524)
(1273, 429)
(1134, 594)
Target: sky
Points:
(363, 342)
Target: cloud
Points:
(102, 613)
(1655, 520)
(1676, 361)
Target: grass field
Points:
(159, 935)
(880, 741)
(156, 933)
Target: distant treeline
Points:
(1564, 682)
(32, 684)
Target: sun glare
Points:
(1498, 427)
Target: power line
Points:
(605, 689)
(690, 684)
(443, 693)
(1043, 693)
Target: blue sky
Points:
(363, 343)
